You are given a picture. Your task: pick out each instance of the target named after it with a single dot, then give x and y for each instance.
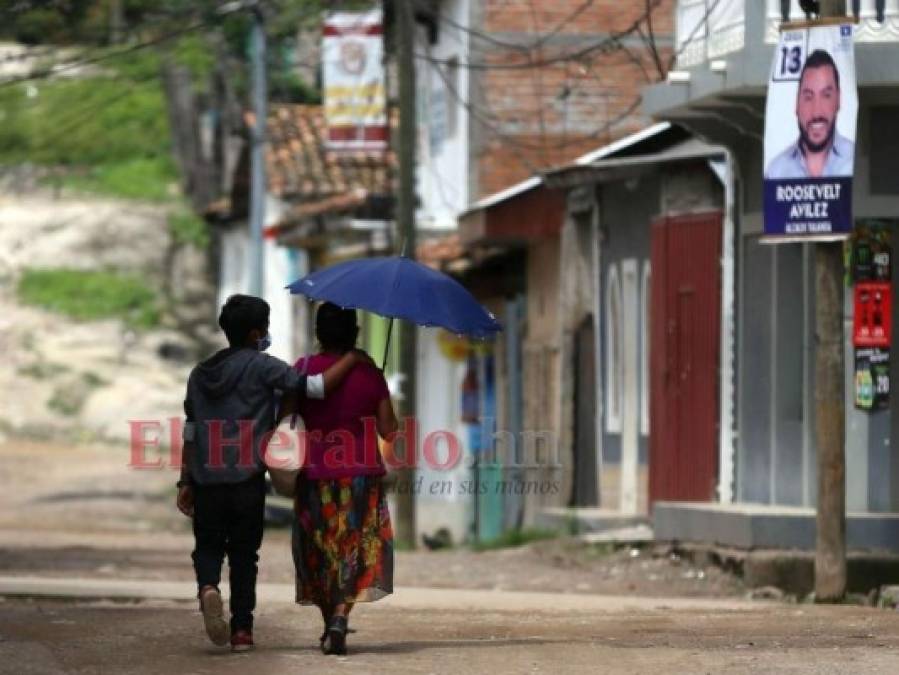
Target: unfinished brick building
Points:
(551, 80)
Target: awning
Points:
(618, 168)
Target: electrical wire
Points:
(607, 44)
(118, 53)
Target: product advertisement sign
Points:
(872, 378)
(872, 315)
(810, 128)
(872, 323)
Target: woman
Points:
(343, 540)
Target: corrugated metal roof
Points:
(588, 158)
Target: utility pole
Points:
(257, 156)
(405, 220)
(116, 22)
(830, 413)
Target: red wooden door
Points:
(684, 357)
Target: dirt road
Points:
(77, 512)
(46, 637)
(80, 511)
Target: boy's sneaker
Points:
(242, 641)
(214, 615)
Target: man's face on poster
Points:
(817, 107)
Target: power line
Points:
(585, 56)
(567, 20)
(119, 52)
(702, 24)
(477, 115)
(86, 113)
(159, 16)
(484, 117)
(610, 43)
(650, 41)
(473, 32)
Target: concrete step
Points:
(584, 520)
(750, 526)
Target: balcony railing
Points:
(707, 29)
(878, 19)
(710, 29)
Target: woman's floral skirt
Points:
(342, 541)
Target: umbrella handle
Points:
(387, 344)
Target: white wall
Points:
(234, 277)
(438, 392)
(443, 152)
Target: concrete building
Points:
(507, 90)
(321, 207)
(590, 234)
(768, 484)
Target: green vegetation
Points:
(90, 294)
(41, 370)
(188, 228)
(150, 179)
(109, 129)
(109, 132)
(518, 537)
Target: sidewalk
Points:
(403, 598)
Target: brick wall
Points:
(532, 118)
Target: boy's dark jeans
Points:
(228, 519)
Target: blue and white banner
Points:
(810, 124)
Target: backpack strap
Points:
(303, 370)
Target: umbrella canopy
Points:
(400, 288)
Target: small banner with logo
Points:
(354, 90)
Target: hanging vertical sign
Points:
(810, 122)
(872, 317)
(354, 89)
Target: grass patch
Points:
(512, 538)
(40, 370)
(188, 228)
(91, 121)
(149, 179)
(108, 132)
(90, 295)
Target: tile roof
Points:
(438, 252)
(301, 167)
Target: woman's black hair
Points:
(336, 328)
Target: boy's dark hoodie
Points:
(230, 394)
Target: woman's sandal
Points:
(324, 635)
(333, 640)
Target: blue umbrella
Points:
(400, 288)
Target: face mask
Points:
(264, 342)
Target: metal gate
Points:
(684, 357)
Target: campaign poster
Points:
(810, 131)
(355, 95)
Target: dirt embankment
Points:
(79, 381)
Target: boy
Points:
(230, 407)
